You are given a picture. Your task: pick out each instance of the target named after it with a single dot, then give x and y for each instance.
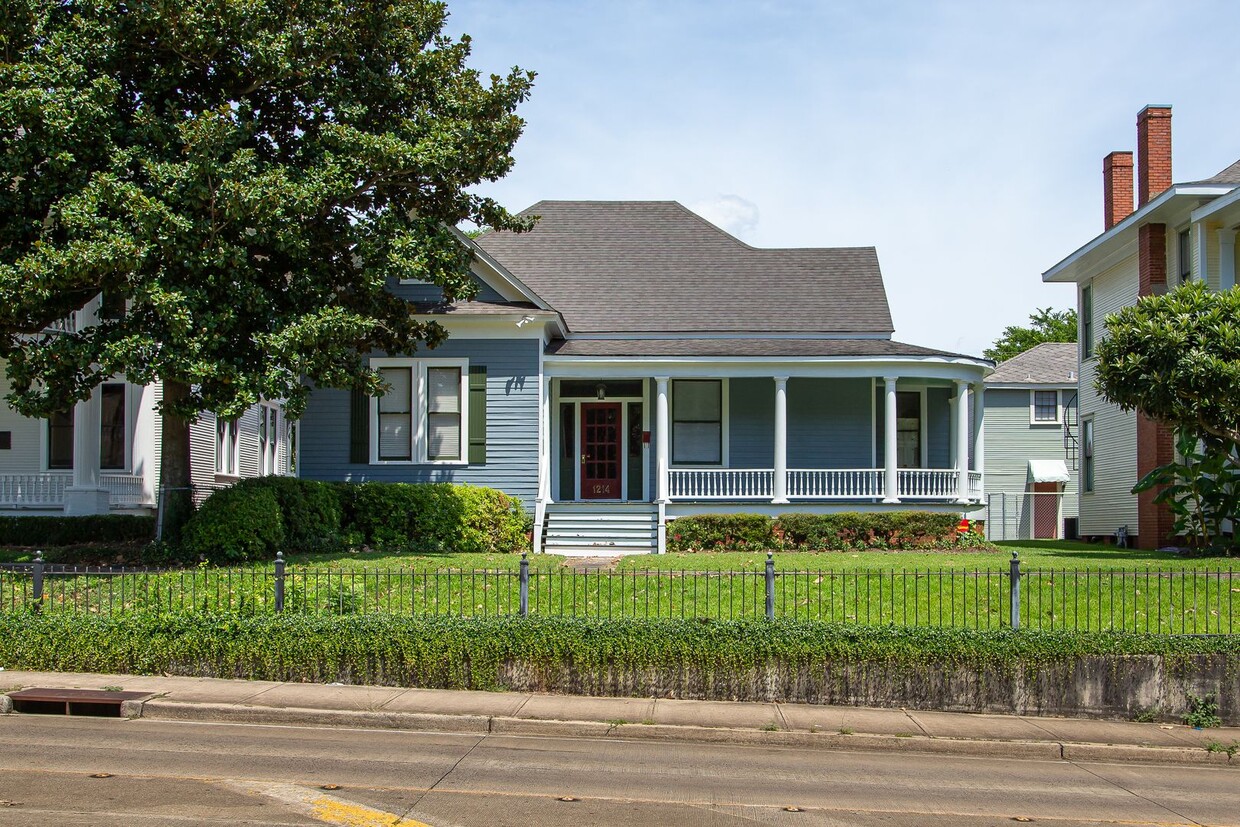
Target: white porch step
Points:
(600, 529)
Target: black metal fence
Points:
(1158, 601)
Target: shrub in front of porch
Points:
(899, 530)
(68, 531)
(434, 517)
(721, 532)
(884, 530)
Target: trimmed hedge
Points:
(570, 654)
(845, 530)
(67, 531)
(255, 518)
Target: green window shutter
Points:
(478, 414)
(359, 427)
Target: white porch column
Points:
(962, 440)
(86, 495)
(1226, 259)
(891, 478)
(544, 462)
(779, 488)
(979, 433)
(661, 441)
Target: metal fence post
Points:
(1015, 586)
(770, 586)
(525, 586)
(279, 581)
(37, 588)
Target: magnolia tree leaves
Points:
(250, 177)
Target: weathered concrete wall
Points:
(1094, 687)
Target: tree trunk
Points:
(176, 491)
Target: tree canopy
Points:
(248, 176)
(1046, 325)
(1176, 359)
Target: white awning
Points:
(1048, 470)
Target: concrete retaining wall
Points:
(1095, 687)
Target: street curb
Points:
(504, 725)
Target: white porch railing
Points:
(721, 483)
(819, 484)
(835, 484)
(928, 484)
(35, 490)
(47, 490)
(975, 485)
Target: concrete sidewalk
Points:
(765, 724)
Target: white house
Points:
(1177, 232)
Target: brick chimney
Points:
(1153, 152)
(1116, 188)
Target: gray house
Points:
(627, 363)
(1031, 445)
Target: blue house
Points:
(628, 363)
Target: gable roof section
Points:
(1050, 363)
(745, 348)
(650, 267)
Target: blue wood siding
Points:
(512, 425)
(432, 292)
(751, 423)
(939, 428)
(829, 423)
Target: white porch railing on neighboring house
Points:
(928, 484)
(34, 490)
(721, 483)
(125, 490)
(47, 490)
(835, 483)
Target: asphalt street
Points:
(160, 772)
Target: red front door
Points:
(600, 451)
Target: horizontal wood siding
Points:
(1011, 441)
(751, 423)
(433, 293)
(829, 423)
(512, 426)
(25, 456)
(1112, 503)
(939, 428)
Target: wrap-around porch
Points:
(686, 442)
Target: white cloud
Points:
(730, 213)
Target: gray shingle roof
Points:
(1231, 175)
(754, 347)
(656, 267)
(1050, 363)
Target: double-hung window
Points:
(112, 427)
(226, 446)
(1044, 408)
(1184, 255)
(1087, 321)
(697, 422)
(268, 438)
(421, 418)
(60, 440)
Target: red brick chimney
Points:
(1116, 188)
(1153, 152)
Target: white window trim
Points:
(725, 395)
(418, 431)
(1033, 395)
(1090, 479)
(269, 459)
(235, 473)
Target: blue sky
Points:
(964, 140)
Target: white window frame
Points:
(228, 465)
(269, 422)
(126, 446)
(1089, 454)
(725, 394)
(418, 435)
(1033, 408)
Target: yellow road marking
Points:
(328, 809)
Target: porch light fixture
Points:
(600, 391)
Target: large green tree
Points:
(1176, 359)
(1046, 325)
(248, 175)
